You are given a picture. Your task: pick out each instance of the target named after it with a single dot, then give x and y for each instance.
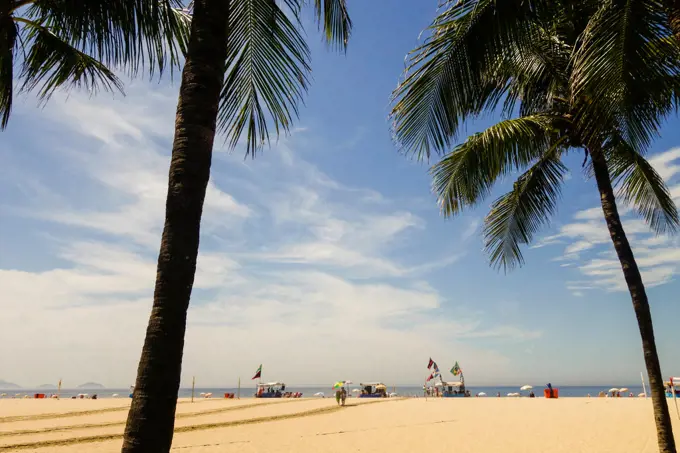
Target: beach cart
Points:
(373, 390)
(270, 390)
(454, 389)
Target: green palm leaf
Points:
(121, 34)
(516, 216)
(332, 15)
(53, 63)
(465, 176)
(269, 72)
(641, 186)
(454, 73)
(626, 72)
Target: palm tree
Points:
(246, 67)
(68, 43)
(595, 76)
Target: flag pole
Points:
(239, 388)
(644, 388)
(193, 386)
(59, 389)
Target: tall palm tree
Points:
(69, 43)
(247, 67)
(595, 76)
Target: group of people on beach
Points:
(341, 396)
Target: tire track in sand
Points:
(189, 428)
(122, 423)
(26, 418)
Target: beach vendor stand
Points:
(270, 390)
(455, 389)
(373, 390)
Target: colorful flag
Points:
(429, 378)
(456, 370)
(258, 373)
(436, 368)
(429, 365)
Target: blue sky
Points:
(323, 258)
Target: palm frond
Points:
(517, 216)
(465, 176)
(640, 185)
(8, 43)
(453, 74)
(53, 63)
(122, 34)
(626, 71)
(268, 72)
(538, 74)
(333, 17)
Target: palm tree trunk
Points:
(151, 419)
(638, 295)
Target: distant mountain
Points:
(91, 385)
(8, 385)
(47, 386)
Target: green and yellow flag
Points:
(456, 370)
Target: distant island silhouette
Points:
(90, 385)
(47, 386)
(8, 385)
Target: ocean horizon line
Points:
(317, 386)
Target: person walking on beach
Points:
(343, 395)
(338, 396)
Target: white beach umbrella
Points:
(623, 389)
(356, 391)
(115, 395)
(641, 395)
(2, 395)
(319, 394)
(393, 394)
(526, 387)
(481, 394)
(614, 390)
(438, 384)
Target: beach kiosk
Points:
(373, 390)
(453, 389)
(270, 390)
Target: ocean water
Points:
(309, 391)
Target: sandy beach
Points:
(318, 425)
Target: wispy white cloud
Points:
(471, 229)
(588, 245)
(293, 264)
